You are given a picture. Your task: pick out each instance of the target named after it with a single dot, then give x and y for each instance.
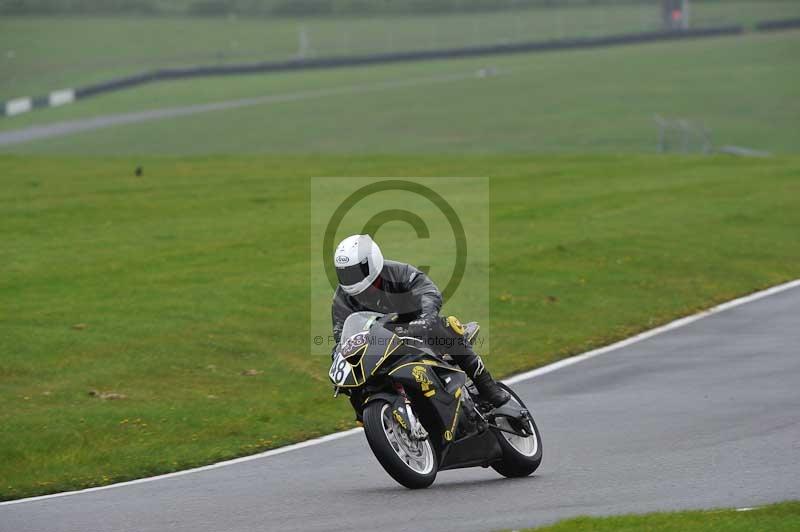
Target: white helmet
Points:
(358, 262)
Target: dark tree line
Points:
(283, 7)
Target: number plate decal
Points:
(340, 369)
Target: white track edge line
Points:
(681, 322)
(265, 454)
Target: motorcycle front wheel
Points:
(412, 463)
(521, 456)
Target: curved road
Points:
(700, 416)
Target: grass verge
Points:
(775, 517)
(167, 289)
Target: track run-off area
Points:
(71, 127)
(703, 412)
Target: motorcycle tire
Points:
(521, 457)
(394, 449)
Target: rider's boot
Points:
(487, 387)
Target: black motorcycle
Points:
(421, 413)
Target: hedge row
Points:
(279, 7)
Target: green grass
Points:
(600, 100)
(39, 54)
(776, 517)
(176, 277)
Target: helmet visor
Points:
(353, 274)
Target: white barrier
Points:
(61, 97)
(18, 106)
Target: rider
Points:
(367, 282)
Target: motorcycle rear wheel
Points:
(521, 456)
(412, 463)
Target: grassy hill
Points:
(43, 53)
(583, 101)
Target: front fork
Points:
(415, 428)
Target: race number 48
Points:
(340, 369)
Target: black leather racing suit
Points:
(404, 289)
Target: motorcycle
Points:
(421, 413)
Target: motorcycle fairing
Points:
(365, 362)
(480, 449)
(461, 441)
(440, 384)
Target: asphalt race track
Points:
(701, 416)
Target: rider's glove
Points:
(423, 326)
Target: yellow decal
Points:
(399, 419)
(421, 376)
(448, 435)
(454, 324)
(430, 393)
(455, 421)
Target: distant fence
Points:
(775, 25)
(64, 96)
